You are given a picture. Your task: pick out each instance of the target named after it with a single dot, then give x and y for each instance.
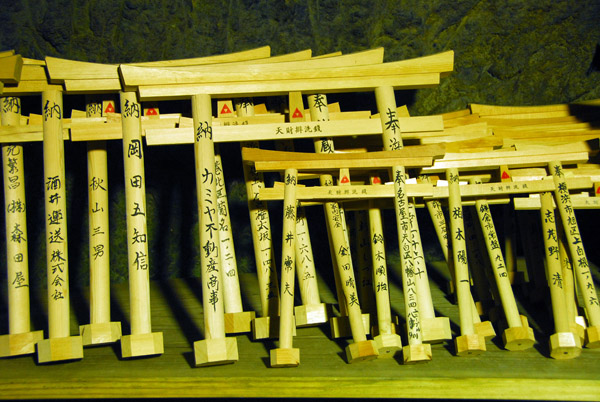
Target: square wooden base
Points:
(340, 326)
(564, 345)
(361, 351)
(485, 329)
(60, 349)
(592, 337)
(436, 329)
(237, 323)
(388, 345)
(518, 338)
(100, 333)
(469, 345)
(285, 357)
(416, 353)
(266, 328)
(212, 352)
(142, 345)
(308, 315)
(579, 330)
(19, 344)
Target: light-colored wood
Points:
(285, 355)
(388, 341)
(575, 246)
(236, 319)
(100, 330)
(360, 348)
(493, 110)
(392, 140)
(215, 348)
(10, 69)
(364, 266)
(60, 345)
(529, 374)
(63, 69)
(142, 340)
(469, 342)
(267, 325)
(20, 339)
(138, 76)
(514, 339)
(276, 88)
(256, 54)
(563, 343)
(312, 311)
(435, 329)
(284, 131)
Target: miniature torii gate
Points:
(307, 81)
(94, 78)
(60, 345)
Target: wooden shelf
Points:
(323, 371)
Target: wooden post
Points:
(578, 257)
(387, 339)
(518, 335)
(435, 329)
(364, 264)
(564, 344)
(361, 348)
(312, 311)
(215, 348)
(60, 345)
(576, 321)
(142, 341)
(286, 355)
(236, 319)
(469, 343)
(267, 325)
(416, 350)
(20, 339)
(100, 330)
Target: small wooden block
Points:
(19, 344)
(340, 326)
(592, 339)
(285, 357)
(100, 333)
(435, 330)
(579, 330)
(360, 351)
(142, 345)
(564, 345)
(518, 338)
(416, 353)
(308, 315)
(469, 345)
(236, 323)
(388, 345)
(212, 352)
(266, 328)
(393, 326)
(485, 329)
(59, 349)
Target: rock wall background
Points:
(506, 52)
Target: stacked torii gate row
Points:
(30, 79)
(307, 81)
(518, 335)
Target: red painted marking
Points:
(225, 109)
(598, 190)
(151, 112)
(505, 175)
(109, 109)
(297, 114)
(376, 180)
(344, 180)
